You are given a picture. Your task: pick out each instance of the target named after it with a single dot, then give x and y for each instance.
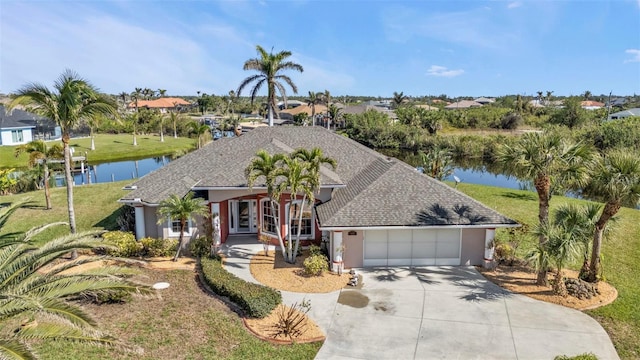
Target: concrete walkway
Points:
(437, 313)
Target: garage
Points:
(412, 247)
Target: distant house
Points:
(291, 104)
(591, 105)
(361, 109)
(163, 104)
(438, 101)
(427, 107)
(20, 127)
(617, 102)
(625, 114)
(463, 104)
(288, 114)
(484, 100)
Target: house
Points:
(361, 109)
(163, 104)
(591, 105)
(291, 104)
(625, 114)
(618, 102)
(463, 104)
(290, 113)
(371, 210)
(20, 127)
(484, 100)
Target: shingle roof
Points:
(17, 119)
(380, 191)
(463, 104)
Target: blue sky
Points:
(474, 48)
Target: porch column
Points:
(337, 251)
(489, 245)
(215, 222)
(140, 228)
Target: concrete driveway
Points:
(452, 313)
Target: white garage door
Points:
(411, 247)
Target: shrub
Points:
(315, 250)
(292, 321)
(585, 356)
(315, 264)
(111, 297)
(158, 247)
(124, 244)
(200, 246)
(255, 300)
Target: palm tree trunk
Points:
(278, 232)
(304, 199)
(175, 132)
(180, 239)
(69, 181)
(47, 192)
(559, 286)
(290, 255)
(610, 209)
(270, 115)
(93, 143)
(542, 184)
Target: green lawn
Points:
(621, 260)
(110, 147)
(96, 207)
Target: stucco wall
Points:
(472, 251)
(152, 229)
(7, 139)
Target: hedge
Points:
(256, 300)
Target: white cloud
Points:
(635, 55)
(513, 5)
(441, 71)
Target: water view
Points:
(115, 171)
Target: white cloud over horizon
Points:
(513, 5)
(441, 71)
(635, 54)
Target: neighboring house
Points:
(361, 109)
(439, 101)
(291, 104)
(21, 127)
(427, 107)
(463, 104)
(617, 102)
(591, 105)
(163, 104)
(378, 210)
(625, 114)
(288, 114)
(484, 100)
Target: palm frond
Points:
(15, 349)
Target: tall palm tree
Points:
(73, 101)
(181, 209)
(547, 159)
(616, 181)
(437, 162)
(40, 153)
(326, 100)
(161, 92)
(335, 113)
(313, 160)
(35, 287)
(313, 100)
(161, 118)
(266, 166)
(199, 129)
(174, 117)
(135, 95)
(269, 67)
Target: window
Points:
(268, 223)
(174, 228)
(16, 136)
(307, 216)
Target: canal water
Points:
(115, 171)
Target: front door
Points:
(243, 216)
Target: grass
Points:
(110, 147)
(621, 260)
(182, 322)
(96, 207)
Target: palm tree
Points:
(546, 159)
(182, 210)
(161, 92)
(326, 99)
(74, 100)
(297, 181)
(34, 286)
(437, 163)
(312, 101)
(123, 96)
(135, 95)
(199, 129)
(313, 160)
(269, 67)
(616, 181)
(399, 99)
(161, 122)
(335, 113)
(173, 116)
(40, 153)
(269, 167)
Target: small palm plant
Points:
(36, 287)
(41, 153)
(182, 210)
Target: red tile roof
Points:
(165, 102)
